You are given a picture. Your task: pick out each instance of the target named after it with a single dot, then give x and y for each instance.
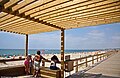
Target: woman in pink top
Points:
(26, 63)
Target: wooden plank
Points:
(32, 32)
(52, 4)
(30, 29)
(84, 20)
(20, 23)
(55, 7)
(2, 2)
(92, 23)
(24, 24)
(90, 14)
(9, 20)
(2, 14)
(11, 3)
(22, 4)
(98, 17)
(1, 29)
(87, 10)
(13, 22)
(38, 30)
(5, 17)
(72, 5)
(35, 5)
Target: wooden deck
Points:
(109, 68)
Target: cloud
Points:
(45, 40)
(96, 33)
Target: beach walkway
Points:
(109, 68)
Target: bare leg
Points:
(34, 72)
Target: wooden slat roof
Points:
(36, 16)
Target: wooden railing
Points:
(7, 60)
(86, 60)
(90, 59)
(78, 61)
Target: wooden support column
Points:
(62, 53)
(26, 45)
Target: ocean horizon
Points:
(43, 51)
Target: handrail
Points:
(6, 60)
(97, 57)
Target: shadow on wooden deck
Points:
(88, 75)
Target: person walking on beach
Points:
(36, 63)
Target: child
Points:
(26, 63)
(30, 63)
(54, 60)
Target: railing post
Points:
(97, 57)
(107, 55)
(93, 59)
(76, 66)
(86, 61)
(100, 56)
(80, 58)
(103, 56)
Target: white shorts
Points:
(36, 65)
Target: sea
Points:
(17, 52)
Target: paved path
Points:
(109, 68)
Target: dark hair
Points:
(38, 52)
(55, 58)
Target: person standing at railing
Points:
(36, 63)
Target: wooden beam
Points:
(84, 15)
(62, 53)
(26, 45)
(11, 31)
(83, 18)
(16, 13)
(65, 8)
(89, 18)
(3, 2)
(50, 5)
(35, 5)
(81, 11)
(23, 4)
(11, 3)
(14, 22)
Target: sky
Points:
(95, 37)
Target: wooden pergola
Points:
(37, 16)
